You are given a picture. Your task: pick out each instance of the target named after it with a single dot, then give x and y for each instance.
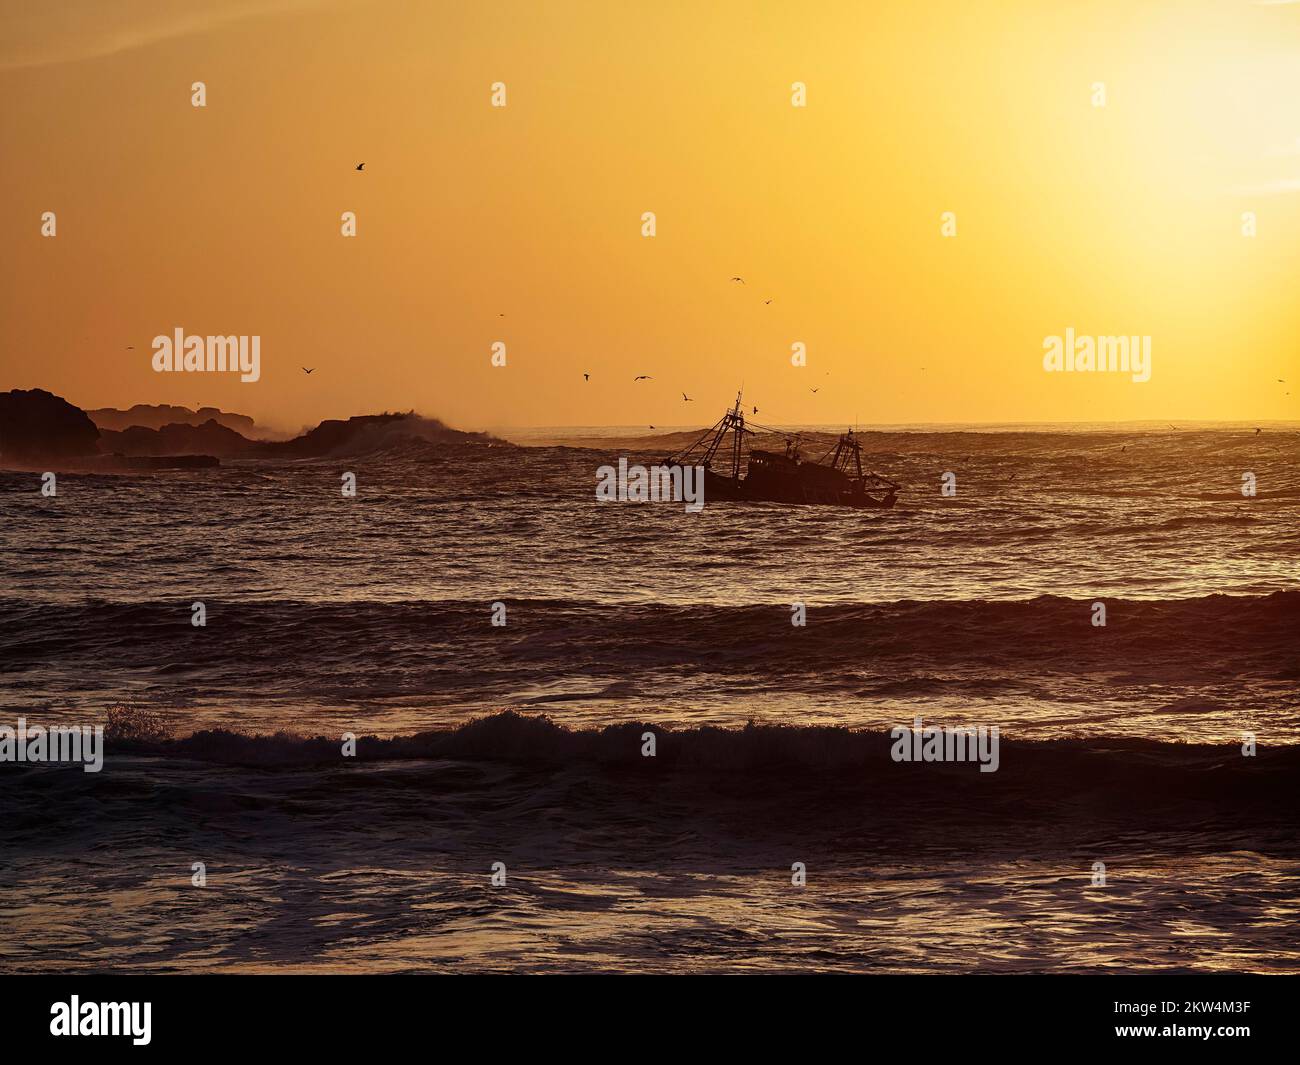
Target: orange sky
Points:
(225, 219)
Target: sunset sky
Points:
(1123, 219)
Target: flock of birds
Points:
(735, 279)
(685, 398)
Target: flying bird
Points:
(687, 398)
(766, 302)
(1258, 431)
(305, 370)
(586, 377)
(643, 377)
(755, 410)
(361, 166)
(816, 389)
(740, 279)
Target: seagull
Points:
(687, 398)
(1258, 431)
(816, 390)
(766, 302)
(643, 377)
(586, 377)
(755, 410)
(361, 166)
(305, 370)
(740, 279)
(1123, 449)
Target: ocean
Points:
(500, 812)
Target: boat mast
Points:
(738, 418)
(719, 432)
(733, 421)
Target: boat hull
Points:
(795, 491)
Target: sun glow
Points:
(521, 225)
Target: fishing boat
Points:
(837, 479)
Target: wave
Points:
(511, 736)
(1176, 640)
(535, 778)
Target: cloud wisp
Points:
(40, 35)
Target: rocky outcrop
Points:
(210, 438)
(38, 425)
(161, 415)
(367, 433)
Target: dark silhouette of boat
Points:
(838, 479)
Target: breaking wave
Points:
(749, 785)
